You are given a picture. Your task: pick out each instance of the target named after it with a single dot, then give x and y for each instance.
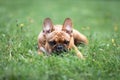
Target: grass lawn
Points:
(21, 22)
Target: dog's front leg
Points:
(41, 43)
(72, 45)
(78, 53)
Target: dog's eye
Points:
(66, 42)
(47, 31)
(52, 43)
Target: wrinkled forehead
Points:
(58, 35)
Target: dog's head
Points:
(57, 40)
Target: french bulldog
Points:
(59, 38)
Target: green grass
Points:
(21, 22)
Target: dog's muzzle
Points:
(59, 49)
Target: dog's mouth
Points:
(59, 52)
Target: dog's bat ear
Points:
(47, 26)
(67, 26)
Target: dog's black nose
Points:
(60, 47)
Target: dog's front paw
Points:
(79, 54)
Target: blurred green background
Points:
(21, 22)
(95, 14)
